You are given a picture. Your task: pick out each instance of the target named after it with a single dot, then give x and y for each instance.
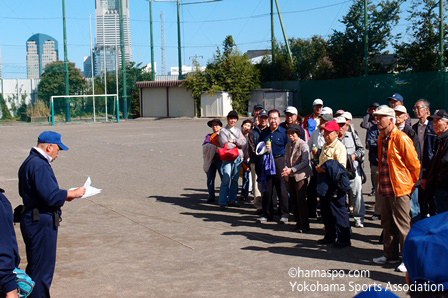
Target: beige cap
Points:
(347, 115)
(401, 109)
(384, 111)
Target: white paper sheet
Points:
(90, 190)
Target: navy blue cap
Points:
(51, 137)
(425, 250)
(396, 97)
(263, 113)
(438, 114)
(258, 106)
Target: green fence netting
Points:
(355, 94)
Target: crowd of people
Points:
(302, 165)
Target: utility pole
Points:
(153, 71)
(272, 32)
(195, 59)
(366, 39)
(283, 30)
(67, 92)
(442, 36)
(179, 46)
(91, 69)
(123, 64)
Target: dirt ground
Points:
(150, 233)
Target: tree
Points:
(53, 82)
(229, 71)
(311, 58)
(421, 53)
(346, 48)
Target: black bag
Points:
(351, 170)
(363, 174)
(18, 213)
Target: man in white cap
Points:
(292, 117)
(355, 154)
(312, 121)
(399, 170)
(401, 114)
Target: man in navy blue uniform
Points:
(278, 138)
(42, 200)
(9, 251)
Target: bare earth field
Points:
(150, 233)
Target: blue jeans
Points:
(211, 175)
(415, 207)
(230, 171)
(440, 199)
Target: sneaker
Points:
(262, 219)
(283, 220)
(222, 207)
(375, 217)
(383, 260)
(358, 223)
(401, 268)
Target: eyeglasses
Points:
(418, 108)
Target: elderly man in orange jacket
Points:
(398, 169)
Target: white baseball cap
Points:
(291, 110)
(347, 115)
(340, 120)
(326, 110)
(401, 109)
(318, 102)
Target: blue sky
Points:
(203, 28)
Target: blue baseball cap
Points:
(258, 106)
(51, 137)
(425, 251)
(396, 97)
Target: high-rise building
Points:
(87, 67)
(107, 38)
(41, 49)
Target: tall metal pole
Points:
(179, 46)
(123, 64)
(91, 69)
(116, 68)
(104, 66)
(67, 92)
(153, 72)
(272, 31)
(283, 30)
(442, 36)
(366, 38)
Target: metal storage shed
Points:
(165, 99)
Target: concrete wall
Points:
(14, 89)
(156, 100)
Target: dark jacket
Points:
(367, 121)
(38, 186)
(428, 149)
(372, 144)
(9, 252)
(437, 176)
(334, 182)
(413, 136)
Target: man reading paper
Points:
(42, 200)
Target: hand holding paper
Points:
(90, 190)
